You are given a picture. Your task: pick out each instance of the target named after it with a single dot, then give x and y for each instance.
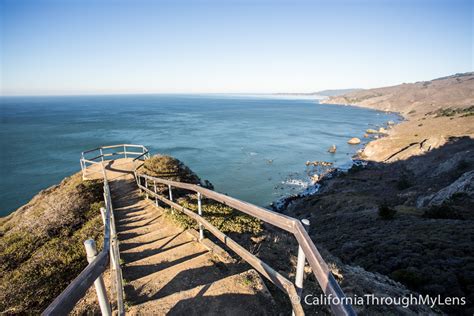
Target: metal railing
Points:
(307, 249)
(113, 152)
(92, 274)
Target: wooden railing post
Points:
(171, 197)
(104, 304)
(102, 213)
(201, 230)
(300, 265)
(82, 168)
(146, 186)
(154, 187)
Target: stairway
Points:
(166, 271)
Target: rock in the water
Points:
(332, 149)
(354, 141)
(371, 131)
(382, 130)
(390, 123)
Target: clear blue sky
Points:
(75, 47)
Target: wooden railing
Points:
(307, 248)
(66, 301)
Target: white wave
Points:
(296, 182)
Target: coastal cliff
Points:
(406, 212)
(434, 111)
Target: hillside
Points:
(410, 220)
(407, 211)
(434, 111)
(456, 91)
(41, 248)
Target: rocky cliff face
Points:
(410, 220)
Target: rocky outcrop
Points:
(463, 185)
(353, 141)
(332, 149)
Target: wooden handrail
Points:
(76, 290)
(66, 301)
(69, 297)
(320, 269)
(276, 278)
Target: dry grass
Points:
(41, 244)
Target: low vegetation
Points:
(385, 219)
(386, 212)
(452, 111)
(41, 244)
(225, 218)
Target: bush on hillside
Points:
(386, 212)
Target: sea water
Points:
(251, 147)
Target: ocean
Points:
(251, 147)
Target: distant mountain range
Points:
(322, 93)
(335, 92)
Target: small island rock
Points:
(354, 141)
(332, 149)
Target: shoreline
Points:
(280, 204)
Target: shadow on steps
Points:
(186, 279)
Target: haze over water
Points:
(251, 147)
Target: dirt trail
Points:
(165, 270)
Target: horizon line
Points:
(162, 93)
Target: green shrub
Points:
(403, 182)
(355, 168)
(410, 278)
(386, 212)
(463, 165)
(449, 112)
(225, 218)
(443, 211)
